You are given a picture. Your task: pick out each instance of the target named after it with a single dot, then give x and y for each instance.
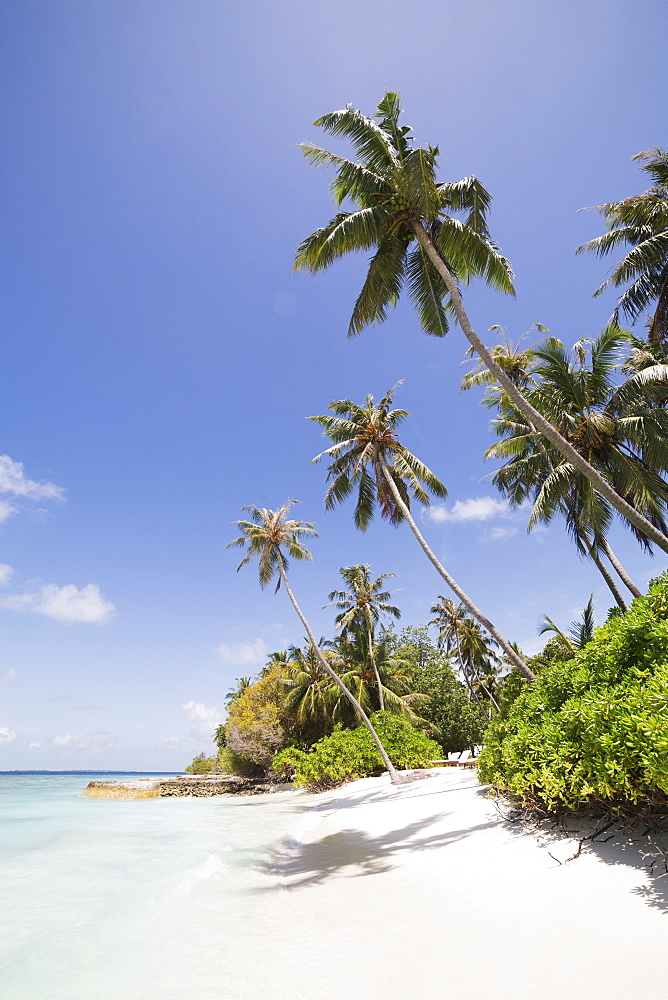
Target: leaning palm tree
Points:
(523, 368)
(361, 608)
(412, 222)
(265, 536)
(367, 456)
(621, 429)
(640, 222)
(306, 699)
(529, 452)
(458, 634)
(362, 678)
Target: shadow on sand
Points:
(353, 853)
(639, 847)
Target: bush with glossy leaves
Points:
(592, 730)
(350, 753)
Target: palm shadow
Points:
(354, 853)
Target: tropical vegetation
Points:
(639, 222)
(431, 237)
(350, 753)
(593, 729)
(582, 438)
(293, 706)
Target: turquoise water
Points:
(133, 900)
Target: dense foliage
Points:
(593, 729)
(456, 722)
(202, 764)
(293, 705)
(582, 436)
(350, 753)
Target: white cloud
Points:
(64, 604)
(6, 573)
(6, 510)
(473, 509)
(11, 676)
(202, 719)
(243, 654)
(498, 534)
(7, 734)
(170, 742)
(85, 741)
(34, 745)
(13, 480)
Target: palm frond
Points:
(469, 195)
(346, 232)
(427, 290)
(371, 143)
(382, 285)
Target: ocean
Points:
(156, 899)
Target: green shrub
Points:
(231, 763)
(202, 765)
(351, 753)
(457, 723)
(593, 729)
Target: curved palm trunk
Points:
(464, 672)
(516, 660)
(659, 328)
(381, 699)
(614, 590)
(487, 691)
(619, 569)
(396, 778)
(524, 406)
(469, 683)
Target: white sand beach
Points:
(425, 891)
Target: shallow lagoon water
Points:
(145, 899)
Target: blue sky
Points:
(159, 356)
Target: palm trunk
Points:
(396, 778)
(452, 584)
(524, 406)
(487, 692)
(614, 590)
(659, 328)
(619, 569)
(462, 669)
(381, 699)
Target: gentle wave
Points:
(133, 900)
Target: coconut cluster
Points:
(397, 203)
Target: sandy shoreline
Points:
(424, 890)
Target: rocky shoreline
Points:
(198, 786)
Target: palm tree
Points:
(306, 698)
(580, 632)
(524, 367)
(361, 607)
(458, 634)
(367, 456)
(640, 222)
(620, 429)
(362, 678)
(236, 692)
(411, 220)
(265, 536)
(518, 365)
